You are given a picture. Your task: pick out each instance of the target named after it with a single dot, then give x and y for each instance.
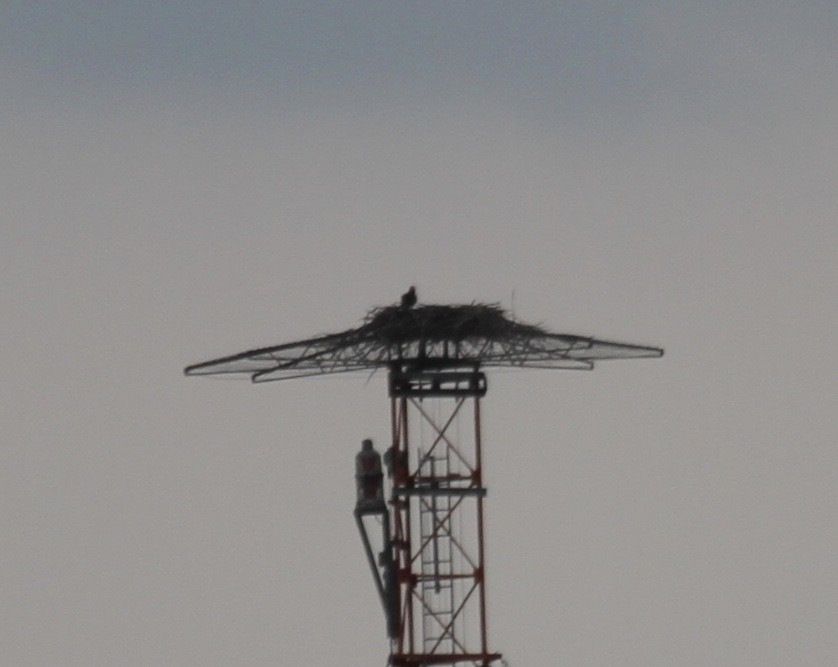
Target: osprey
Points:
(409, 298)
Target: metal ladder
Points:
(437, 586)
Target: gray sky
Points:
(183, 180)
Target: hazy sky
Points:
(183, 180)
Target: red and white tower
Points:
(420, 505)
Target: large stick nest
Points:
(396, 324)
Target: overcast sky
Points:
(184, 180)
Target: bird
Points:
(409, 298)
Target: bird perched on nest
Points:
(409, 298)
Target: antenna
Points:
(422, 528)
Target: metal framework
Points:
(437, 501)
(424, 536)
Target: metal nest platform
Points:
(425, 337)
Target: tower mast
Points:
(437, 496)
(424, 539)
